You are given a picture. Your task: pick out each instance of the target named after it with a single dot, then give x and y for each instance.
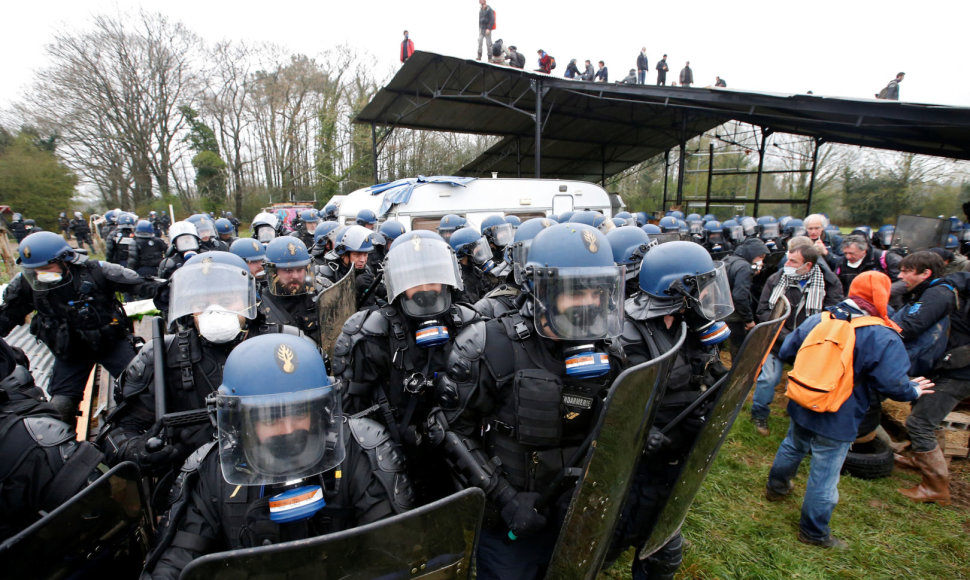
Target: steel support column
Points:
(761, 165)
(373, 149)
(710, 177)
(811, 181)
(663, 206)
(537, 85)
(682, 162)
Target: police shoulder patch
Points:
(914, 308)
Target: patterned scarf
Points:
(815, 289)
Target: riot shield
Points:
(434, 541)
(914, 233)
(618, 441)
(334, 306)
(97, 533)
(729, 394)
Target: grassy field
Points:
(734, 532)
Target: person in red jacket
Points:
(407, 47)
(545, 62)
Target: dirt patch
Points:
(960, 494)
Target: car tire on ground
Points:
(870, 460)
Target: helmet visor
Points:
(420, 261)
(520, 252)
(197, 287)
(501, 235)
(769, 231)
(480, 252)
(269, 439)
(186, 243)
(205, 228)
(43, 281)
(714, 293)
(579, 303)
(288, 281)
(265, 233)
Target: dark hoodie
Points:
(739, 273)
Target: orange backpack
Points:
(822, 378)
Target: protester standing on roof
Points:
(407, 47)
(891, 91)
(662, 69)
(643, 65)
(602, 74)
(486, 24)
(686, 76)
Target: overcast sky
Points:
(848, 48)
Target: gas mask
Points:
(426, 303)
(219, 325)
(584, 362)
(296, 504)
(757, 266)
(709, 332)
(431, 333)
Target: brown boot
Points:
(935, 486)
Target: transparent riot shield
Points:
(728, 396)
(914, 233)
(97, 533)
(435, 541)
(334, 306)
(608, 468)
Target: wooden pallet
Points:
(956, 427)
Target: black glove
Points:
(656, 441)
(520, 514)
(148, 456)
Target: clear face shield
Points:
(418, 262)
(696, 227)
(209, 288)
(769, 231)
(501, 235)
(714, 300)
(265, 233)
(579, 303)
(736, 233)
(206, 229)
(288, 281)
(481, 254)
(270, 439)
(186, 244)
(41, 281)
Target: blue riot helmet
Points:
(629, 245)
(110, 216)
(449, 224)
(391, 229)
(627, 217)
(592, 218)
(330, 212)
(768, 228)
(513, 220)
(681, 276)
(252, 252)
(952, 243)
(418, 234)
(682, 227)
(865, 231)
(642, 218)
(884, 235)
(215, 292)
(266, 226)
(366, 218)
(695, 226)
(420, 273)
(955, 224)
(144, 229)
(564, 216)
(833, 230)
(733, 231)
(518, 251)
(709, 217)
(576, 288)
(783, 221)
(669, 224)
(676, 213)
(651, 229)
(497, 231)
(204, 225)
(19, 217)
(618, 223)
(39, 250)
(469, 243)
(287, 266)
(278, 419)
(353, 244)
(224, 227)
(691, 217)
(795, 227)
(749, 226)
(229, 215)
(309, 216)
(127, 221)
(322, 240)
(714, 235)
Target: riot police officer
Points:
(308, 224)
(120, 240)
(523, 391)
(475, 261)
(449, 224)
(282, 439)
(322, 244)
(389, 355)
(506, 296)
(226, 231)
(499, 234)
(351, 251)
(679, 283)
(184, 244)
(252, 252)
(235, 223)
(266, 226)
(330, 212)
(212, 309)
(290, 286)
(630, 245)
(148, 250)
(205, 226)
(164, 222)
(17, 227)
(81, 230)
(367, 218)
(77, 314)
(41, 464)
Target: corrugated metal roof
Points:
(592, 129)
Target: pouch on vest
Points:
(538, 418)
(822, 378)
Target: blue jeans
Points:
(764, 388)
(641, 77)
(822, 487)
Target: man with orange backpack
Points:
(838, 354)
